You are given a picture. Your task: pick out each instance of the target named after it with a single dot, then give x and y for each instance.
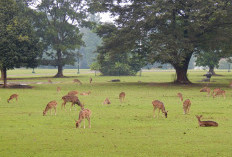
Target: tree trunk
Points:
(4, 77)
(211, 69)
(2, 74)
(59, 64)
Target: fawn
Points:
(122, 96)
(73, 92)
(158, 104)
(85, 93)
(180, 96)
(186, 106)
(205, 89)
(206, 123)
(12, 97)
(90, 80)
(58, 89)
(219, 92)
(73, 99)
(85, 113)
(50, 105)
(106, 101)
(77, 81)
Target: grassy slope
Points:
(126, 129)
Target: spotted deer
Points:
(83, 114)
(85, 93)
(58, 89)
(106, 101)
(122, 96)
(90, 80)
(77, 81)
(73, 99)
(205, 89)
(12, 97)
(206, 123)
(186, 106)
(158, 104)
(180, 96)
(50, 105)
(220, 92)
(73, 92)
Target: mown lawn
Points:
(126, 129)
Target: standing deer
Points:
(50, 105)
(58, 89)
(90, 80)
(73, 99)
(206, 123)
(77, 81)
(85, 93)
(12, 97)
(180, 96)
(215, 91)
(122, 96)
(205, 89)
(186, 106)
(220, 92)
(158, 104)
(106, 101)
(73, 92)
(83, 114)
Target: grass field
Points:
(118, 130)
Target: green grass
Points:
(126, 129)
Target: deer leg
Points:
(89, 122)
(154, 112)
(84, 123)
(55, 110)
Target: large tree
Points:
(58, 23)
(19, 45)
(170, 30)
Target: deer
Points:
(205, 89)
(90, 80)
(122, 96)
(85, 93)
(186, 106)
(206, 123)
(73, 92)
(220, 92)
(77, 81)
(158, 104)
(58, 89)
(215, 91)
(50, 105)
(180, 96)
(83, 114)
(106, 101)
(73, 99)
(50, 81)
(12, 97)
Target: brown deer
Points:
(85, 93)
(83, 114)
(186, 106)
(106, 101)
(205, 89)
(58, 89)
(12, 97)
(122, 96)
(73, 92)
(77, 81)
(220, 92)
(73, 99)
(215, 91)
(180, 96)
(158, 104)
(50, 105)
(90, 80)
(50, 81)
(206, 123)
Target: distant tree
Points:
(19, 45)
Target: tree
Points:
(171, 31)
(19, 45)
(58, 22)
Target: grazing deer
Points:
(205, 89)
(50, 105)
(158, 104)
(77, 81)
(50, 81)
(186, 106)
(73, 99)
(90, 80)
(12, 97)
(220, 92)
(180, 96)
(122, 96)
(58, 89)
(106, 101)
(85, 93)
(83, 114)
(206, 123)
(73, 92)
